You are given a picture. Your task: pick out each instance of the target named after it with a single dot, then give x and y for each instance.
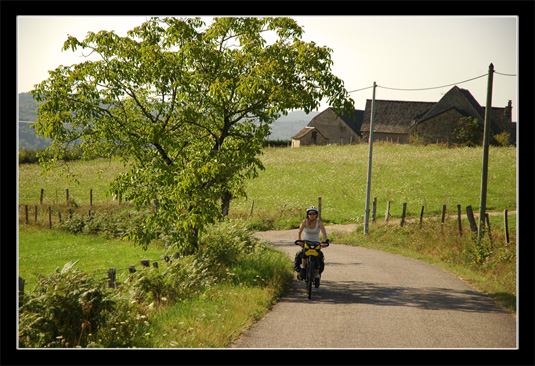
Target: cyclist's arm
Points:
(301, 228)
(323, 231)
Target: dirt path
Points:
(374, 299)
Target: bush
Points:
(72, 309)
(115, 224)
(467, 132)
(502, 139)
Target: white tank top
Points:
(312, 234)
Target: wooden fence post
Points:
(319, 208)
(506, 226)
(145, 262)
(26, 213)
(67, 195)
(59, 216)
(50, 217)
(403, 214)
(488, 226)
(155, 264)
(41, 197)
(422, 216)
(252, 208)
(459, 224)
(22, 281)
(387, 213)
(470, 215)
(132, 268)
(90, 196)
(36, 214)
(443, 218)
(112, 275)
(374, 209)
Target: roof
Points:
(457, 98)
(394, 116)
(306, 130)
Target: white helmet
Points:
(312, 208)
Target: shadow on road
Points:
(429, 298)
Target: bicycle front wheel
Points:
(310, 277)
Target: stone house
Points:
(330, 128)
(440, 121)
(435, 122)
(395, 121)
(309, 136)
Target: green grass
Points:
(427, 176)
(91, 174)
(430, 176)
(213, 320)
(42, 250)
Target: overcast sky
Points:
(395, 52)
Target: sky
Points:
(402, 52)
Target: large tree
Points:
(186, 106)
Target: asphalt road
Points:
(374, 299)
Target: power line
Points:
(500, 73)
(369, 87)
(430, 88)
(434, 87)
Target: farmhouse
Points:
(329, 128)
(393, 119)
(396, 121)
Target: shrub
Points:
(72, 309)
(502, 139)
(467, 132)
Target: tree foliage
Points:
(186, 106)
(467, 132)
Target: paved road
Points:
(374, 299)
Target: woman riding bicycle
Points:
(312, 226)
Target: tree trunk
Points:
(225, 202)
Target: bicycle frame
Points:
(311, 253)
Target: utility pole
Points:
(484, 170)
(367, 210)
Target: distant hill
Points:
(282, 129)
(287, 126)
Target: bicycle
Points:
(311, 254)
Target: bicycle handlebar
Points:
(324, 244)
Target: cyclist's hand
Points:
(325, 244)
(299, 242)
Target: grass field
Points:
(293, 180)
(420, 176)
(429, 176)
(42, 250)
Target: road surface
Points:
(374, 299)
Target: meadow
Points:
(293, 179)
(429, 176)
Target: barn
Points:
(393, 119)
(330, 128)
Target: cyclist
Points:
(312, 226)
